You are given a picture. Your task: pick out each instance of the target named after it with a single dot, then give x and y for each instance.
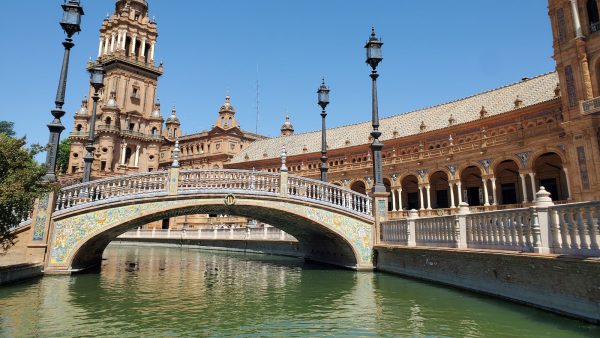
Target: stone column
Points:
(532, 178)
(568, 184)
(152, 50)
(576, 22)
(451, 185)
(421, 198)
(100, 48)
(123, 39)
(428, 187)
(459, 192)
(523, 187)
(493, 179)
(393, 191)
(112, 42)
(143, 52)
(133, 42)
(123, 150)
(106, 45)
(119, 34)
(137, 156)
(400, 199)
(486, 199)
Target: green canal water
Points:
(160, 291)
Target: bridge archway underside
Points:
(79, 235)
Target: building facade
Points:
(491, 150)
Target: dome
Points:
(83, 109)
(227, 107)
(287, 128)
(173, 118)
(156, 111)
(111, 103)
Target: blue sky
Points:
(434, 51)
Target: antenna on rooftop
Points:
(257, 98)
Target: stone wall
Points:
(565, 285)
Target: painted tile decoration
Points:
(40, 219)
(70, 232)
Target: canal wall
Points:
(566, 285)
(18, 272)
(272, 247)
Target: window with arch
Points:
(594, 18)
(154, 130)
(79, 127)
(108, 121)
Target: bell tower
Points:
(129, 124)
(576, 42)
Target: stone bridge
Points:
(71, 227)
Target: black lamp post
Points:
(374, 56)
(97, 81)
(323, 95)
(70, 23)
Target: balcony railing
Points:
(590, 106)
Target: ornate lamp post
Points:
(70, 23)
(323, 95)
(97, 81)
(374, 56)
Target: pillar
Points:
(568, 184)
(137, 156)
(152, 51)
(112, 42)
(459, 191)
(532, 178)
(133, 42)
(123, 150)
(428, 187)
(393, 191)
(486, 198)
(421, 198)
(576, 22)
(119, 35)
(143, 52)
(106, 44)
(123, 39)
(493, 179)
(400, 199)
(100, 48)
(451, 185)
(523, 187)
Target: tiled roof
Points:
(501, 100)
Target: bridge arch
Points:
(325, 231)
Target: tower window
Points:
(560, 22)
(108, 121)
(131, 126)
(154, 131)
(592, 9)
(79, 127)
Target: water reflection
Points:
(160, 291)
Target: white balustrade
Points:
(394, 232)
(225, 180)
(252, 234)
(575, 228)
(109, 188)
(510, 229)
(436, 231)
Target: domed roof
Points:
(156, 111)
(287, 128)
(227, 107)
(173, 118)
(83, 109)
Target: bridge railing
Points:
(253, 234)
(220, 180)
(572, 229)
(309, 189)
(109, 188)
(192, 181)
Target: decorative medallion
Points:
(486, 164)
(229, 200)
(452, 169)
(524, 157)
(422, 173)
